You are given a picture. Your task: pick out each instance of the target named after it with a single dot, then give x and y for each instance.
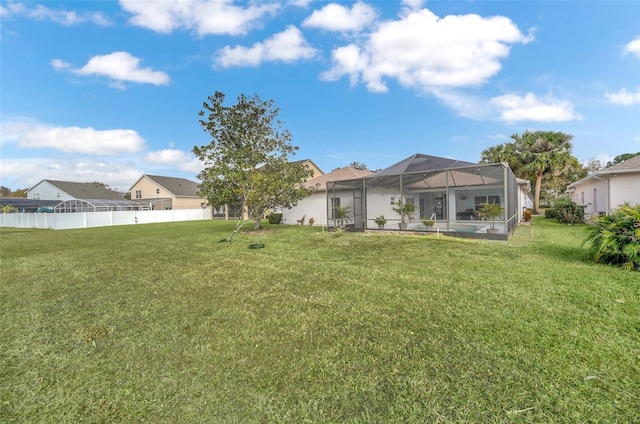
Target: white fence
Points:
(64, 221)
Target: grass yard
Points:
(161, 323)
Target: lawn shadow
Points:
(570, 254)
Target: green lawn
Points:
(161, 323)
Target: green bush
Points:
(566, 211)
(275, 218)
(615, 238)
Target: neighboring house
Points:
(310, 165)
(67, 190)
(167, 192)
(315, 206)
(604, 190)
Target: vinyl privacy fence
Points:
(64, 221)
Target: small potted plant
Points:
(490, 212)
(428, 223)
(381, 220)
(405, 210)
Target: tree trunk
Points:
(536, 200)
(256, 224)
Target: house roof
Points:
(179, 187)
(629, 165)
(82, 190)
(420, 163)
(425, 171)
(344, 173)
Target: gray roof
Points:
(421, 163)
(85, 190)
(179, 187)
(424, 171)
(631, 164)
(628, 166)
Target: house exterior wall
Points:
(148, 190)
(316, 171)
(187, 202)
(314, 206)
(625, 188)
(593, 194)
(46, 191)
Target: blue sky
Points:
(107, 91)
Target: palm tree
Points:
(543, 153)
(506, 152)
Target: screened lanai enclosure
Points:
(446, 191)
(100, 205)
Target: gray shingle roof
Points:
(179, 187)
(632, 164)
(85, 190)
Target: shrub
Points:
(275, 218)
(615, 238)
(526, 215)
(566, 211)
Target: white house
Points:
(67, 190)
(604, 190)
(315, 206)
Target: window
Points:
(157, 191)
(480, 200)
(582, 197)
(138, 194)
(57, 194)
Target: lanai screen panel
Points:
(347, 194)
(98, 205)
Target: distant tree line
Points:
(7, 192)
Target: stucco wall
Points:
(314, 206)
(593, 194)
(625, 188)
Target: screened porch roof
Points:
(424, 171)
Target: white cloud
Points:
(122, 66)
(287, 46)
(513, 108)
(471, 107)
(624, 97)
(423, 51)
(118, 66)
(335, 17)
(60, 65)
(300, 3)
(202, 16)
(633, 47)
(32, 135)
(26, 172)
(412, 5)
(60, 16)
(175, 159)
